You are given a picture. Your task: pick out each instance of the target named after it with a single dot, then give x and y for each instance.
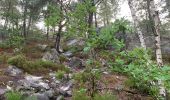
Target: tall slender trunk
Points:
(90, 17)
(168, 6)
(24, 21)
(156, 19)
(29, 24)
(48, 32)
(136, 22)
(58, 38)
(95, 16)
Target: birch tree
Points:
(156, 25)
(132, 5)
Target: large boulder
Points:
(76, 63)
(42, 47)
(32, 83)
(51, 55)
(13, 71)
(74, 45)
(2, 93)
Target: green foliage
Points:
(53, 15)
(36, 36)
(3, 58)
(80, 95)
(13, 96)
(13, 41)
(60, 74)
(31, 98)
(106, 37)
(19, 61)
(143, 73)
(89, 78)
(78, 25)
(30, 66)
(106, 96)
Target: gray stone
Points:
(41, 96)
(69, 93)
(68, 54)
(2, 91)
(33, 83)
(60, 97)
(72, 42)
(65, 89)
(75, 63)
(13, 71)
(50, 93)
(51, 55)
(42, 47)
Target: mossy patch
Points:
(34, 66)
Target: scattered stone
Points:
(65, 90)
(42, 47)
(75, 63)
(13, 71)
(33, 83)
(60, 97)
(2, 92)
(50, 93)
(69, 93)
(68, 54)
(72, 42)
(32, 78)
(41, 96)
(53, 56)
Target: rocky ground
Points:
(45, 85)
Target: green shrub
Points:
(143, 72)
(13, 96)
(80, 95)
(19, 61)
(60, 74)
(22, 62)
(14, 40)
(106, 96)
(4, 58)
(44, 64)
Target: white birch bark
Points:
(136, 22)
(155, 16)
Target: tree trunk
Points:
(155, 16)
(168, 6)
(24, 21)
(58, 37)
(95, 16)
(48, 32)
(90, 17)
(29, 25)
(136, 23)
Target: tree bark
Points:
(136, 22)
(24, 21)
(168, 6)
(95, 16)
(90, 17)
(48, 32)
(155, 16)
(58, 37)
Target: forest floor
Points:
(112, 82)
